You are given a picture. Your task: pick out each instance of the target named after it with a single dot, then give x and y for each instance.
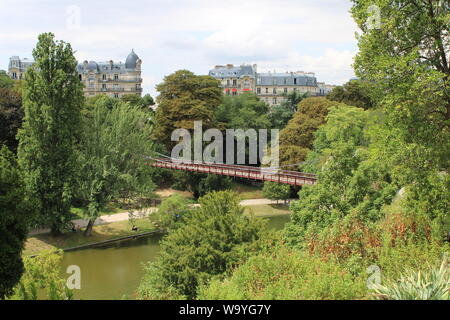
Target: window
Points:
(81, 77)
(104, 77)
(228, 82)
(285, 90)
(116, 77)
(14, 75)
(267, 90)
(116, 95)
(274, 90)
(234, 93)
(104, 86)
(295, 80)
(246, 83)
(258, 90)
(234, 82)
(274, 100)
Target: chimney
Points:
(229, 66)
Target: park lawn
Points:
(247, 192)
(267, 210)
(110, 231)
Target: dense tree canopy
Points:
(296, 139)
(245, 111)
(355, 93)
(111, 155)
(406, 55)
(184, 98)
(53, 97)
(215, 237)
(15, 213)
(11, 115)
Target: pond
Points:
(114, 271)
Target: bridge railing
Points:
(265, 174)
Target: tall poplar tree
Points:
(52, 101)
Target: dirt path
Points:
(80, 223)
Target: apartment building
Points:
(109, 78)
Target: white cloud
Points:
(313, 35)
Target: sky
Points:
(168, 35)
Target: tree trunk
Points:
(88, 231)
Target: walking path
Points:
(80, 223)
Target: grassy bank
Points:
(67, 240)
(113, 230)
(267, 210)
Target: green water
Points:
(115, 270)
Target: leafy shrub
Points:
(41, 279)
(288, 275)
(214, 238)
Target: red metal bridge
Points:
(264, 174)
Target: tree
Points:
(135, 99)
(11, 115)
(214, 238)
(296, 139)
(111, 156)
(276, 191)
(350, 177)
(406, 55)
(15, 213)
(5, 81)
(53, 97)
(42, 278)
(184, 98)
(281, 114)
(245, 111)
(172, 211)
(355, 93)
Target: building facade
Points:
(108, 78)
(235, 80)
(269, 87)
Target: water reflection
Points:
(114, 270)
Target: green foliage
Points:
(296, 139)
(349, 178)
(407, 58)
(111, 155)
(11, 115)
(427, 285)
(136, 100)
(355, 93)
(53, 97)
(184, 98)
(5, 81)
(276, 191)
(42, 280)
(213, 238)
(245, 111)
(281, 114)
(285, 275)
(200, 183)
(172, 212)
(15, 213)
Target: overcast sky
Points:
(168, 35)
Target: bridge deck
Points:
(255, 173)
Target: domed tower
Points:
(132, 60)
(133, 73)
